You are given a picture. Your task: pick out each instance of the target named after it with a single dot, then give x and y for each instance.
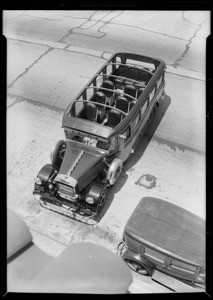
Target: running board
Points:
(175, 284)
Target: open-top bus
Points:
(102, 126)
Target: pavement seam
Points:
(48, 19)
(28, 68)
(60, 46)
(47, 236)
(114, 23)
(70, 31)
(18, 15)
(20, 99)
(184, 18)
(187, 46)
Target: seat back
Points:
(122, 103)
(130, 90)
(123, 71)
(144, 76)
(139, 91)
(108, 84)
(133, 73)
(113, 118)
(91, 111)
(99, 97)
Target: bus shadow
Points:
(134, 158)
(148, 135)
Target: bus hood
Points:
(80, 165)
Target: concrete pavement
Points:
(52, 55)
(54, 76)
(178, 36)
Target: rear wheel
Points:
(151, 116)
(136, 266)
(144, 268)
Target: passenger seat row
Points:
(92, 113)
(102, 114)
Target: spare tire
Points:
(114, 170)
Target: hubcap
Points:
(135, 266)
(102, 198)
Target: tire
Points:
(151, 116)
(57, 153)
(114, 170)
(102, 199)
(138, 267)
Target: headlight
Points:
(90, 200)
(50, 186)
(37, 181)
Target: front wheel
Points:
(102, 198)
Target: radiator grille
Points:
(66, 189)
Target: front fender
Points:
(46, 172)
(95, 191)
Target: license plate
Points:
(66, 196)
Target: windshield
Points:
(92, 141)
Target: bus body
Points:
(102, 126)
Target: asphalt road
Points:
(51, 55)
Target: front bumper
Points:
(65, 207)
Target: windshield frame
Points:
(91, 140)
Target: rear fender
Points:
(128, 254)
